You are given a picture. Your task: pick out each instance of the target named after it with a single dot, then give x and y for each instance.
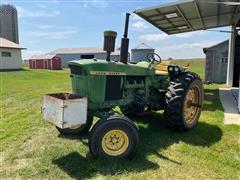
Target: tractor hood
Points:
(103, 67)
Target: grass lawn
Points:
(33, 149)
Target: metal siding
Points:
(30, 64)
(209, 65)
(45, 64)
(215, 69)
(39, 63)
(65, 58)
(56, 61)
(9, 23)
(64, 113)
(13, 62)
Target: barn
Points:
(47, 61)
(10, 53)
(69, 54)
(216, 62)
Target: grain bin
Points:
(140, 52)
(9, 23)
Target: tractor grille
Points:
(76, 70)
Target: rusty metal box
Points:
(65, 110)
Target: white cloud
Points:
(52, 34)
(154, 37)
(26, 54)
(42, 6)
(190, 34)
(94, 3)
(187, 46)
(43, 26)
(185, 50)
(163, 36)
(23, 13)
(139, 25)
(55, 1)
(184, 35)
(135, 17)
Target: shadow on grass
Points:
(154, 136)
(13, 70)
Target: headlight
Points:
(170, 68)
(176, 69)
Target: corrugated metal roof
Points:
(143, 46)
(83, 50)
(218, 44)
(44, 56)
(191, 15)
(77, 50)
(4, 43)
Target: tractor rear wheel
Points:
(114, 138)
(184, 100)
(78, 129)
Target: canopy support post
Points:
(231, 57)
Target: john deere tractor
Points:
(136, 89)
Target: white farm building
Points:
(10, 55)
(69, 54)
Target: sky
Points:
(45, 25)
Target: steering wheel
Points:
(154, 58)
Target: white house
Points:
(10, 55)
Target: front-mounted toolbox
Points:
(65, 110)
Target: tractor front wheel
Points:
(114, 138)
(78, 129)
(184, 100)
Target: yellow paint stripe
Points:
(109, 73)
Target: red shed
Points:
(47, 61)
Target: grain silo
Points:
(9, 23)
(140, 52)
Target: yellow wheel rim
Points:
(190, 105)
(115, 142)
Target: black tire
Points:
(77, 131)
(175, 101)
(105, 126)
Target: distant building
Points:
(69, 54)
(11, 57)
(216, 62)
(9, 23)
(52, 62)
(140, 52)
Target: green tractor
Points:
(136, 89)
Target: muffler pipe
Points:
(125, 42)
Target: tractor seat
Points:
(162, 68)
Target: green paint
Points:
(102, 65)
(139, 84)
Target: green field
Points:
(32, 149)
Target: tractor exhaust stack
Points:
(125, 42)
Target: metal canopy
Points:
(191, 15)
